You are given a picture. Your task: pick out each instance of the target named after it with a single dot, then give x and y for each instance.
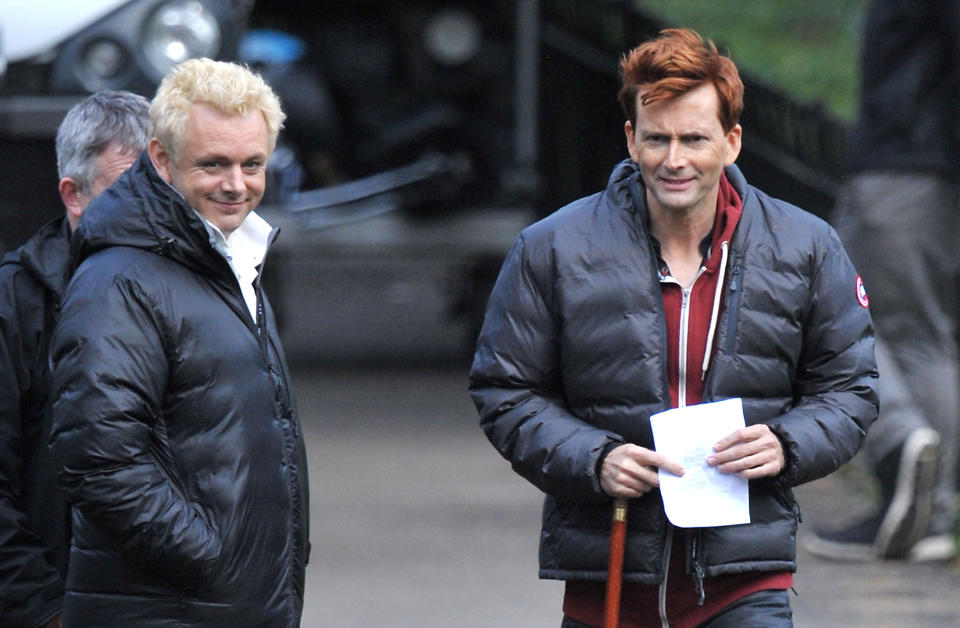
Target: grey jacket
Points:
(572, 359)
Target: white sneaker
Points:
(937, 548)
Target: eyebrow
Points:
(221, 157)
(684, 133)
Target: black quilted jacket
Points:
(572, 358)
(174, 428)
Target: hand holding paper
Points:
(752, 452)
(702, 496)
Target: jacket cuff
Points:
(610, 446)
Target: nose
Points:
(232, 181)
(676, 155)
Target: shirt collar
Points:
(247, 243)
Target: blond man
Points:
(175, 432)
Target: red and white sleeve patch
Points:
(862, 293)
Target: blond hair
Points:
(229, 87)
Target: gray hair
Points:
(102, 119)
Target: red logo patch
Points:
(862, 293)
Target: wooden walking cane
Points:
(618, 537)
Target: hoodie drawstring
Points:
(714, 315)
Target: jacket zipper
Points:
(662, 596)
(735, 280)
(695, 566)
(288, 421)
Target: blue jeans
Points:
(763, 609)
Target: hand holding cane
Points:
(641, 464)
(618, 535)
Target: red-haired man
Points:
(679, 284)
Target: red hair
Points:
(671, 65)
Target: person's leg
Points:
(907, 472)
(898, 229)
(763, 609)
(573, 623)
(912, 228)
(900, 415)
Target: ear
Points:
(161, 159)
(631, 141)
(73, 199)
(734, 139)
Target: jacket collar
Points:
(46, 255)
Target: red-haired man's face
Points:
(682, 149)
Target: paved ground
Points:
(417, 521)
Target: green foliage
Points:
(809, 48)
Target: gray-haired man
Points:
(98, 139)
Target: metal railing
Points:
(792, 150)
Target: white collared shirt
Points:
(244, 249)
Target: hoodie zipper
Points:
(682, 402)
(682, 349)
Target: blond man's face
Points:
(221, 166)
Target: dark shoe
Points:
(853, 543)
(908, 516)
(907, 479)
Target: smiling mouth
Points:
(232, 204)
(675, 183)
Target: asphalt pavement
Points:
(418, 522)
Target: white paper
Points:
(702, 496)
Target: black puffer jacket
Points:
(174, 427)
(572, 358)
(34, 516)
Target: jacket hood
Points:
(45, 255)
(625, 187)
(141, 210)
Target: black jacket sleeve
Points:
(515, 384)
(836, 381)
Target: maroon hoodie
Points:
(703, 308)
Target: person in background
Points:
(899, 216)
(678, 284)
(97, 140)
(175, 434)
